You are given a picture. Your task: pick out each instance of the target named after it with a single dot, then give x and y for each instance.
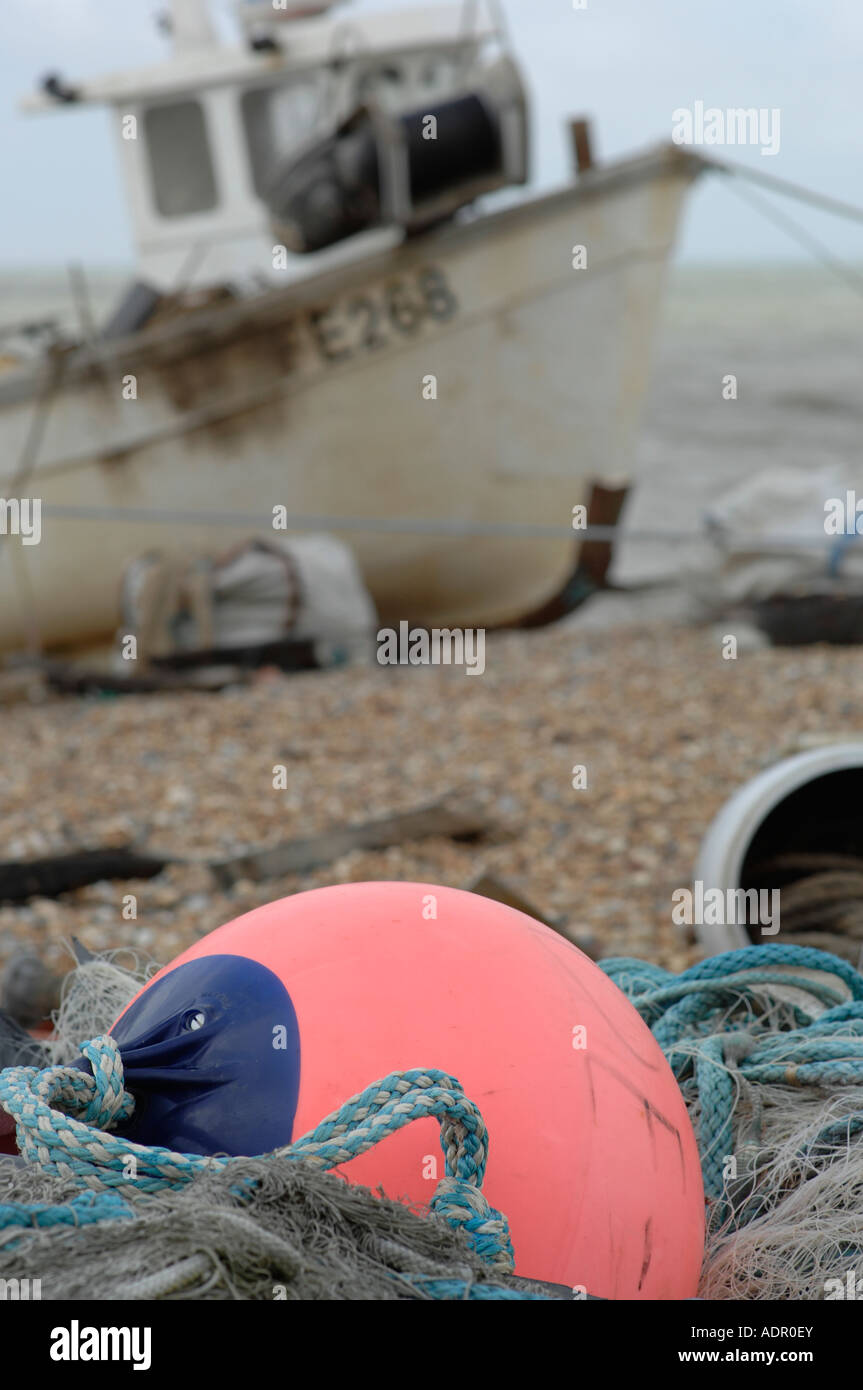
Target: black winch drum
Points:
(345, 183)
(811, 803)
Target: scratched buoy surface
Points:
(268, 1024)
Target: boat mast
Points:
(191, 26)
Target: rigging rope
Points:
(785, 187)
(816, 248)
(438, 526)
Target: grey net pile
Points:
(304, 1235)
(797, 1211)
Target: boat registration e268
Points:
(378, 317)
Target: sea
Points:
(792, 338)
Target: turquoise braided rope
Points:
(87, 1209)
(63, 1117)
(708, 1050)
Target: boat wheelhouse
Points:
(200, 136)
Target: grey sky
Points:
(627, 63)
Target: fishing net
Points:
(91, 998)
(767, 1046)
(303, 1235)
(770, 1062)
(795, 1218)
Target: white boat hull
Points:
(315, 399)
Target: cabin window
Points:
(181, 166)
(276, 121)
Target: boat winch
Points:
(409, 169)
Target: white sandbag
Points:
(786, 503)
(307, 587)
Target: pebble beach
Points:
(665, 728)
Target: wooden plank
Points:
(490, 886)
(463, 822)
(73, 680)
(49, 877)
(46, 878)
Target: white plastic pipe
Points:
(724, 847)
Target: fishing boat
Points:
(349, 316)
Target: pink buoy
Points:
(591, 1153)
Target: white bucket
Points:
(812, 801)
